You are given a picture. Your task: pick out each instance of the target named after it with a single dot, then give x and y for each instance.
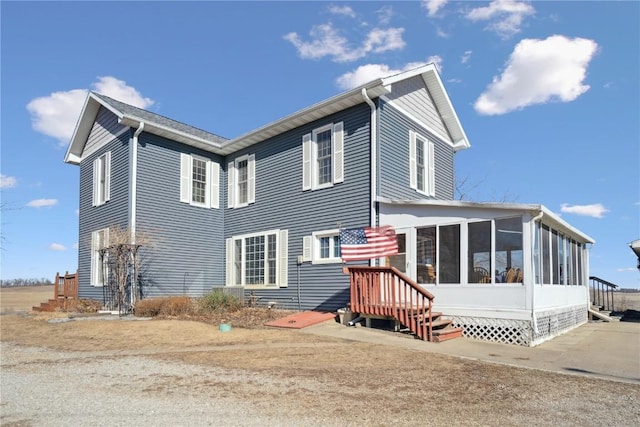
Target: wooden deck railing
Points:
(385, 291)
(602, 293)
(66, 286)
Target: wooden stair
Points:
(387, 293)
(441, 328)
(52, 305)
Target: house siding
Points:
(182, 249)
(112, 213)
(281, 204)
(413, 96)
(393, 166)
(104, 130)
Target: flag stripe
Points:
(369, 242)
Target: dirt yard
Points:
(272, 377)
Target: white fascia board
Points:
(84, 125)
(156, 129)
(448, 113)
(306, 115)
(548, 217)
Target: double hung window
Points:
(241, 181)
(102, 179)
(199, 181)
(99, 256)
(323, 157)
(422, 164)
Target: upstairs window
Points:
(323, 157)
(199, 181)
(242, 181)
(102, 179)
(422, 164)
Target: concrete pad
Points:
(596, 349)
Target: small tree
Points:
(122, 266)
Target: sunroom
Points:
(510, 273)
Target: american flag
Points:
(368, 242)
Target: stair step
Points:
(440, 323)
(446, 334)
(434, 316)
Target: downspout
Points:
(134, 182)
(533, 266)
(374, 153)
(134, 202)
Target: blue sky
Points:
(547, 92)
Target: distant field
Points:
(626, 301)
(22, 298)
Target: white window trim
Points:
(212, 185)
(102, 194)
(310, 172)
(282, 248)
(232, 181)
(429, 164)
(96, 262)
(311, 247)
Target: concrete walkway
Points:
(597, 349)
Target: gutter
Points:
(533, 265)
(374, 153)
(134, 182)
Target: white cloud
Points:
(42, 203)
(596, 210)
(539, 71)
(57, 247)
(342, 10)
(505, 16)
(55, 115)
(326, 41)
(8, 181)
(433, 6)
(622, 270)
(385, 14)
(369, 72)
(466, 56)
(435, 60)
(75, 245)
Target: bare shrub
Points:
(176, 306)
(149, 307)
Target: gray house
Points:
(260, 214)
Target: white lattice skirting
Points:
(522, 332)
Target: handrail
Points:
(602, 293)
(66, 286)
(386, 291)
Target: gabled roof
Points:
(159, 125)
(131, 116)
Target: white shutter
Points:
(251, 172)
(214, 186)
(231, 184)
(338, 153)
(96, 180)
(412, 160)
(230, 269)
(431, 175)
(307, 248)
(283, 249)
(306, 162)
(185, 178)
(107, 176)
